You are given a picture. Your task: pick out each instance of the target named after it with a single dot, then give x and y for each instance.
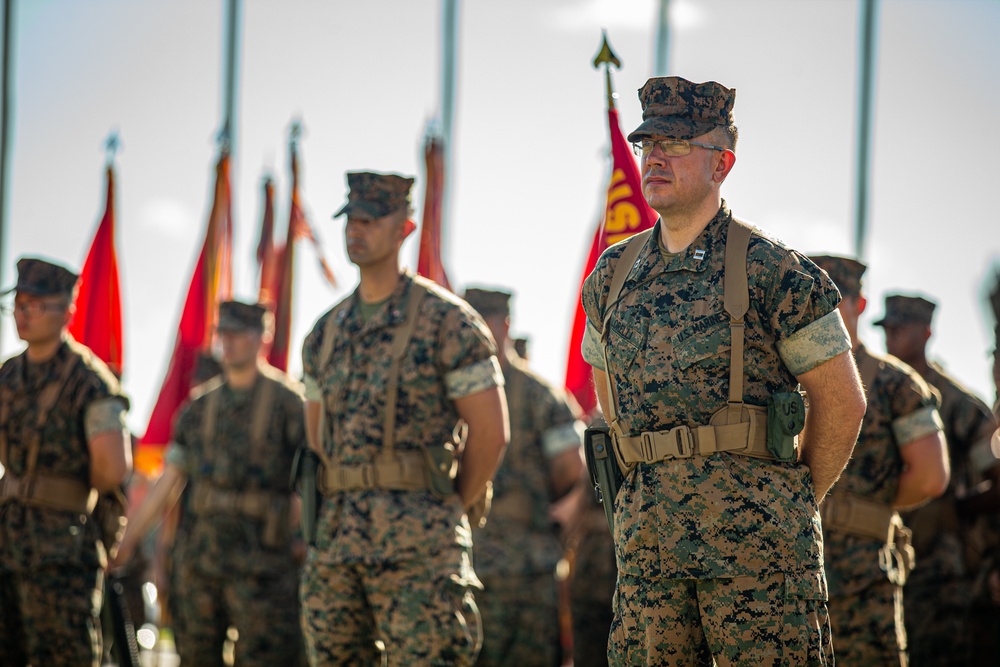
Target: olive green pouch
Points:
(442, 468)
(786, 417)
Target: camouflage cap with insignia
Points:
(488, 302)
(239, 316)
(901, 309)
(845, 272)
(40, 277)
(677, 108)
(375, 195)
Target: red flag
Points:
(266, 253)
(97, 322)
(626, 213)
(429, 264)
(298, 228)
(211, 283)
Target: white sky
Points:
(529, 169)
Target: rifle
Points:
(124, 646)
(602, 465)
(305, 470)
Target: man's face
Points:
(240, 348)
(40, 319)
(906, 341)
(676, 185)
(374, 240)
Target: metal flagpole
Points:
(227, 135)
(5, 106)
(662, 39)
(449, 60)
(866, 65)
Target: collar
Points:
(697, 257)
(392, 312)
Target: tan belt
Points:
(399, 471)
(61, 493)
(851, 513)
(748, 438)
(252, 504)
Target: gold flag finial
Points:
(607, 58)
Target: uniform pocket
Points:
(706, 338)
(807, 634)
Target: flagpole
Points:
(228, 132)
(662, 39)
(5, 104)
(869, 16)
(607, 58)
(449, 59)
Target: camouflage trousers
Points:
(765, 621)
(520, 621)
(51, 616)
(264, 609)
(936, 613)
(868, 626)
(397, 614)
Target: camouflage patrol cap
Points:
(844, 271)
(375, 195)
(40, 277)
(677, 108)
(238, 316)
(488, 302)
(901, 309)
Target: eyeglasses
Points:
(32, 308)
(670, 147)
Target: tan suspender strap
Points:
(868, 366)
(400, 340)
(209, 419)
(515, 410)
(626, 260)
(736, 299)
(330, 332)
(855, 514)
(263, 405)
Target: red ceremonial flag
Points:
(626, 213)
(97, 322)
(298, 228)
(211, 283)
(429, 264)
(266, 252)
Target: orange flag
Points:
(429, 264)
(97, 322)
(626, 213)
(211, 283)
(266, 252)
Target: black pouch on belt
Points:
(786, 417)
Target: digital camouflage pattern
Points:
(366, 535)
(375, 195)
(517, 551)
(719, 516)
(939, 592)
(677, 108)
(901, 309)
(592, 586)
(227, 570)
(42, 278)
(51, 561)
(865, 608)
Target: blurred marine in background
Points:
(63, 443)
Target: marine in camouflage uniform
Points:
(947, 532)
(900, 461)
(516, 552)
(234, 553)
(391, 570)
(719, 554)
(62, 442)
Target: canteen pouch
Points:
(786, 417)
(605, 474)
(442, 468)
(306, 470)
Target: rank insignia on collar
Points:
(699, 254)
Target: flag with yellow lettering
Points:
(625, 214)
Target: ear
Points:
(68, 315)
(862, 304)
(723, 165)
